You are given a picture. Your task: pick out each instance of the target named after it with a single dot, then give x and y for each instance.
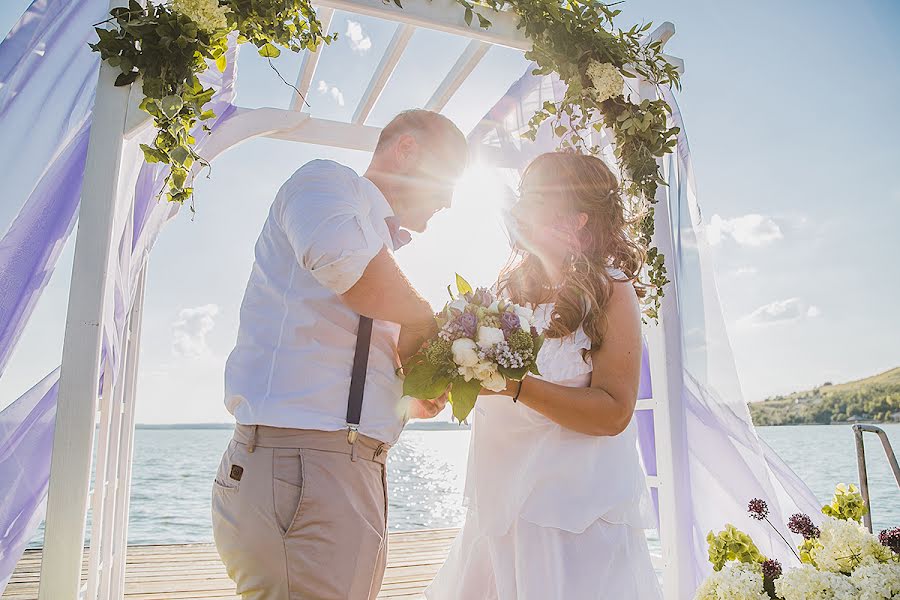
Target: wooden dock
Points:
(186, 571)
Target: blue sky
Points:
(790, 112)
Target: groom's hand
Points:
(427, 409)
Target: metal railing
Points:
(858, 431)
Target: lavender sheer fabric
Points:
(48, 79)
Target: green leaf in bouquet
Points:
(538, 342)
(462, 285)
(423, 380)
(463, 395)
(515, 374)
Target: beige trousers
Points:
(301, 514)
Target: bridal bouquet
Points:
(482, 342)
(839, 558)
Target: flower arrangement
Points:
(839, 559)
(481, 342)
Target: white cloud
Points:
(335, 92)
(748, 230)
(359, 41)
(190, 329)
(780, 311)
(746, 271)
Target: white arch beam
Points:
(310, 62)
(441, 15)
(383, 72)
(464, 66)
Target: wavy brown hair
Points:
(586, 184)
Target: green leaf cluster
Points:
(166, 51)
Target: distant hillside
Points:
(875, 398)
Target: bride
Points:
(557, 500)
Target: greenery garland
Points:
(169, 44)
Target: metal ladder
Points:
(858, 431)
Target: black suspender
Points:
(358, 378)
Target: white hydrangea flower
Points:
(808, 583)
(844, 545)
(736, 581)
(207, 14)
(878, 581)
(606, 80)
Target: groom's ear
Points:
(406, 152)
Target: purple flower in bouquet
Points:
(464, 325)
(802, 524)
(509, 322)
(758, 509)
(482, 297)
(891, 539)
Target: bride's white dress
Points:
(552, 514)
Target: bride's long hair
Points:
(607, 239)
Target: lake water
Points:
(426, 471)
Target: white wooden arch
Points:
(117, 118)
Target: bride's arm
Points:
(606, 407)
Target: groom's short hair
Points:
(432, 130)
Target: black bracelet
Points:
(518, 390)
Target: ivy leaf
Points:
(180, 155)
(126, 78)
(397, 2)
(153, 155)
(469, 15)
(483, 22)
(463, 395)
(171, 106)
(179, 176)
(423, 381)
(462, 286)
(269, 50)
(221, 63)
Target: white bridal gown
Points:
(552, 514)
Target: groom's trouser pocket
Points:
(302, 523)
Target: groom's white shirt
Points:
(294, 353)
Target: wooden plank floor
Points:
(185, 571)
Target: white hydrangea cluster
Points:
(606, 80)
(207, 14)
(808, 583)
(878, 581)
(736, 581)
(844, 545)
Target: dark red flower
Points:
(758, 509)
(891, 539)
(771, 569)
(802, 524)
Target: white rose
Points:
(464, 352)
(488, 336)
(496, 382)
(485, 370)
(468, 373)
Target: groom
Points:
(299, 501)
